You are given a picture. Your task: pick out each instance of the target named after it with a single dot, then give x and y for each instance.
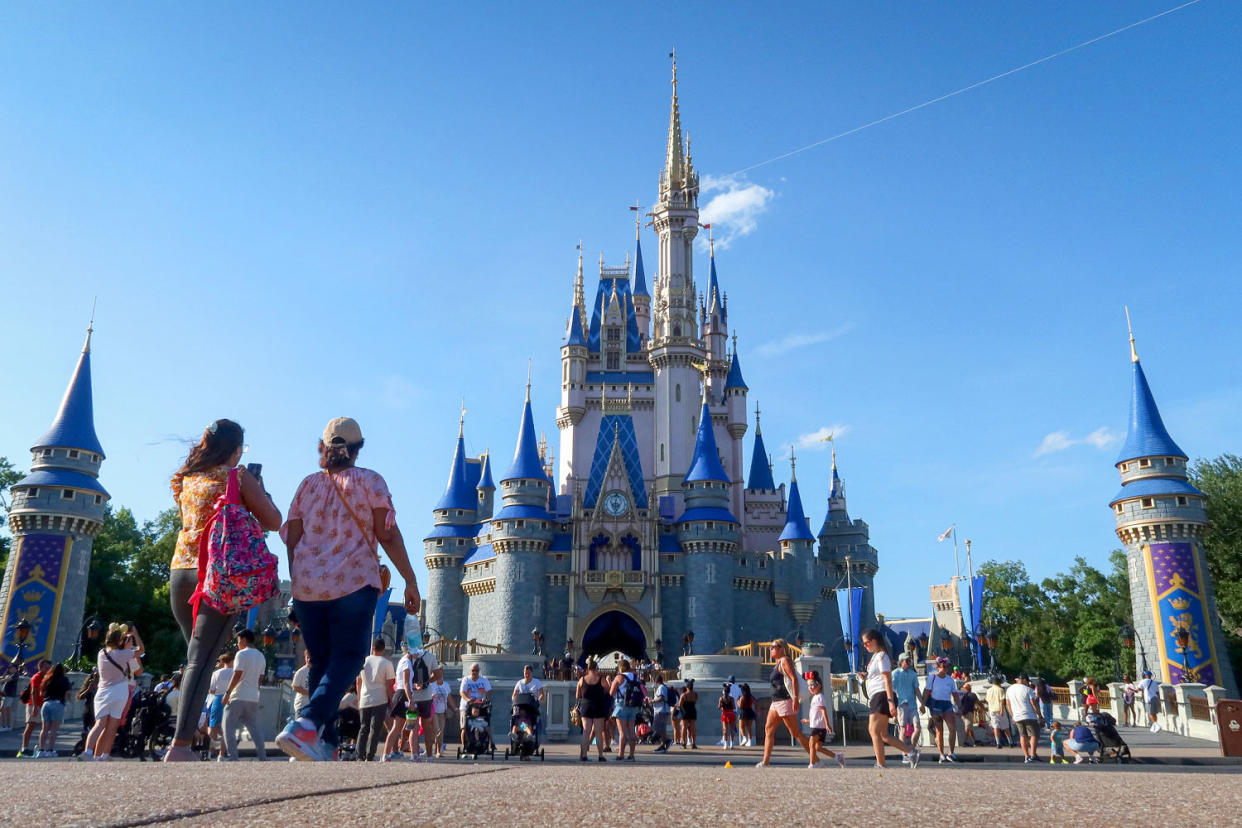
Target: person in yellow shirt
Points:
(996, 710)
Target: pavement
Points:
(562, 791)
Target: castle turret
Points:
(1161, 519)
(708, 534)
(715, 326)
(675, 346)
(735, 391)
(642, 299)
(797, 558)
(486, 489)
(845, 545)
(574, 355)
(456, 523)
(57, 511)
(520, 533)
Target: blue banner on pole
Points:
(381, 612)
(856, 595)
(251, 616)
(976, 615)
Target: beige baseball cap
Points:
(342, 431)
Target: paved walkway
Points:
(569, 793)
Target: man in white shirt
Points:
(1151, 699)
(374, 687)
(474, 687)
(301, 686)
(241, 700)
(1023, 708)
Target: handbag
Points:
(236, 571)
(385, 575)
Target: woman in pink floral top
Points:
(337, 517)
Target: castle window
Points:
(742, 562)
(66, 494)
(1181, 501)
(613, 362)
(1144, 464)
(711, 573)
(95, 459)
(1147, 503)
(1170, 461)
(710, 525)
(1118, 508)
(1125, 467)
(47, 452)
(565, 372)
(763, 563)
(661, 452)
(31, 494)
(614, 334)
(73, 454)
(98, 500)
(690, 607)
(519, 524)
(439, 541)
(677, 392)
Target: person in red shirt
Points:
(33, 708)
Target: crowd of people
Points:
(347, 702)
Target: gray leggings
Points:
(181, 585)
(211, 633)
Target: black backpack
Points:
(672, 695)
(420, 674)
(632, 693)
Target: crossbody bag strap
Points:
(120, 669)
(361, 526)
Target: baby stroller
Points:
(478, 727)
(1106, 734)
(643, 725)
(147, 730)
(524, 728)
(348, 723)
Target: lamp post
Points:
(1026, 652)
(92, 628)
(1126, 636)
(1183, 643)
(993, 639)
(23, 632)
(849, 650)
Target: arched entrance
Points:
(614, 631)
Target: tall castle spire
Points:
(74, 426)
(760, 470)
(674, 157)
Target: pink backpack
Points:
(235, 569)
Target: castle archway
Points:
(614, 628)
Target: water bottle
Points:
(413, 634)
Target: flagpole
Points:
(849, 608)
(957, 563)
(970, 594)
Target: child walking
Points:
(821, 727)
(1057, 739)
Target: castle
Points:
(57, 511)
(648, 537)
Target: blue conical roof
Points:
(74, 426)
(713, 287)
(640, 277)
(734, 380)
(837, 491)
(1147, 436)
(796, 526)
(576, 336)
(526, 464)
(706, 462)
(485, 474)
(458, 494)
(760, 471)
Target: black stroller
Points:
(524, 727)
(1109, 738)
(478, 731)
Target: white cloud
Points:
(800, 340)
(816, 440)
(1101, 438)
(734, 210)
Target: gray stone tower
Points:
(1160, 519)
(521, 533)
(58, 509)
(708, 533)
(846, 545)
(450, 540)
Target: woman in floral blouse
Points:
(337, 516)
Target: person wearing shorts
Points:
(474, 687)
(906, 686)
(1022, 705)
(883, 700)
(939, 696)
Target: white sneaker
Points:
(1155, 728)
(905, 759)
(814, 765)
(761, 764)
(1077, 760)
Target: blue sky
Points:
(293, 211)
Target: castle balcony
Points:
(599, 583)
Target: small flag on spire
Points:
(946, 533)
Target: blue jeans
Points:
(338, 638)
(1046, 709)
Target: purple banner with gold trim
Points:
(1179, 602)
(38, 577)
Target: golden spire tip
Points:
(1133, 352)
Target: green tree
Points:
(8, 476)
(128, 581)
(1221, 480)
